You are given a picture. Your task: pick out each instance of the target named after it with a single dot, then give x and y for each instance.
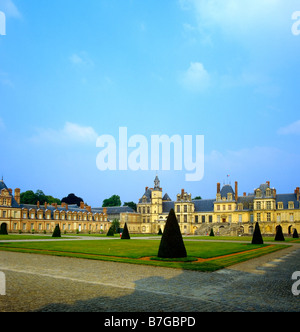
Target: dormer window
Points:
(229, 197)
(258, 193)
(291, 205)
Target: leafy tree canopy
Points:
(29, 197)
(131, 205)
(114, 200)
(72, 199)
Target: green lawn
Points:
(132, 251)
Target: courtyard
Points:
(36, 282)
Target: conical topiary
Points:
(3, 229)
(160, 232)
(212, 234)
(295, 235)
(56, 232)
(257, 237)
(172, 245)
(279, 234)
(111, 231)
(125, 234)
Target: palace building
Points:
(227, 214)
(24, 218)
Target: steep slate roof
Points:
(227, 189)
(204, 205)
(115, 210)
(13, 201)
(286, 198)
(168, 206)
(148, 193)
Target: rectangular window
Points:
(258, 217)
(203, 219)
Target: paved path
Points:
(48, 283)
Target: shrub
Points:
(295, 235)
(56, 232)
(212, 234)
(111, 231)
(279, 234)
(172, 245)
(257, 237)
(160, 232)
(125, 234)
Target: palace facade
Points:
(24, 218)
(227, 214)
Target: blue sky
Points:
(71, 71)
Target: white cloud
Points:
(258, 25)
(71, 133)
(292, 129)
(81, 59)
(196, 78)
(10, 9)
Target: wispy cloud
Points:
(81, 59)
(196, 78)
(292, 129)
(10, 9)
(71, 133)
(242, 18)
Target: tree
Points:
(197, 198)
(72, 199)
(279, 234)
(212, 234)
(172, 245)
(131, 205)
(295, 235)
(125, 234)
(113, 201)
(56, 232)
(3, 229)
(29, 197)
(257, 237)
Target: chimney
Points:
(46, 205)
(274, 193)
(105, 211)
(218, 188)
(63, 204)
(67, 206)
(38, 205)
(146, 189)
(89, 208)
(245, 194)
(82, 205)
(17, 195)
(298, 193)
(268, 183)
(10, 191)
(236, 191)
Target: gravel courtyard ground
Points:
(48, 283)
